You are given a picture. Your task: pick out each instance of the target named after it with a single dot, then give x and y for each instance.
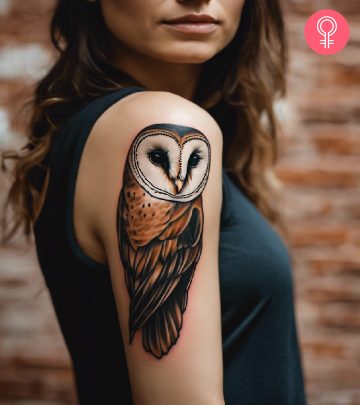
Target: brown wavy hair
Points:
(238, 87)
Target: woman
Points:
(147, 173)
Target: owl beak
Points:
(178, 185)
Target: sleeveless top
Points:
(261, 355)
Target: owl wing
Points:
(165, 260)
(142, 261)
(161, 324)
(162, 329)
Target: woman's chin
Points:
(187, 57)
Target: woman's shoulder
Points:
(172, 119)
(141, 107)
(117, 126)
(138, 100)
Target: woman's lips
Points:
(192, 27)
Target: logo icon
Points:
(324, 30)
(327, 32)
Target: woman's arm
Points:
(155, 202)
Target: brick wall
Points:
(320, 169)
(34, 363)
(319, 166)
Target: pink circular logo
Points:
(327, 32)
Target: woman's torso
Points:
(262, 362)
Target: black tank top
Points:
(262, 361)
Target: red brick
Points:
(336, 294)
(307, 7)
(340, 316)
(318, 177)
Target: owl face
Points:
(170, 162)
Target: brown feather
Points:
(159, 253)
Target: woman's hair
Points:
(237, 87)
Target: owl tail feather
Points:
(162, 330)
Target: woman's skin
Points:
(165, 366)
(160, 57)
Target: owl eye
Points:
(159, 158)
(194, 160)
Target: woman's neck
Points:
(159, 75)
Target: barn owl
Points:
(159, 225)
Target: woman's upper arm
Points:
(157, 211)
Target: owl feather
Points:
(160, 225)
(159, 273)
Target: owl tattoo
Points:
(159, 225)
